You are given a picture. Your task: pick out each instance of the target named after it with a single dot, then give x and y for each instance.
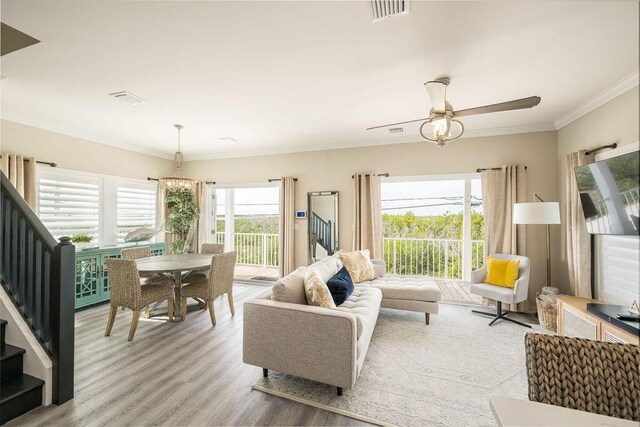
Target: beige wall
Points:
(332, 170)
(79, 154)
(616, 121)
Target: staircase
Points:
(37, 275)
(19, 392)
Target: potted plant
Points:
(81, 240)
(183, 212)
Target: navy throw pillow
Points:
(340, 286)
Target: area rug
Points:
(436, 375)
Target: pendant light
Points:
(178, 181)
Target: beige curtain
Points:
(500, 190)
(164, 236)
(367, 214)
(201, 233)
(286, 251)
(578, 240)
(21, 172)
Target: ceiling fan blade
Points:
(399, 123)
(437, 91)
(517, 104)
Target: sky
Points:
(420, 197)
(428, 198)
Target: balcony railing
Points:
(254, 248)
(440, 258)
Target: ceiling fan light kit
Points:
(442, 124)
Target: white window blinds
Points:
(619, 269)
(69, 204)
(136, 207)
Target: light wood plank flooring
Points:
(185, 373)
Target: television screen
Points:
(609, 195)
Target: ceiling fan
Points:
(443, 125)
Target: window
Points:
(136, 203)
(69, 204)
(105, 207)
(433, 226)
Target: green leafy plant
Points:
(81, 238)
(183, 212)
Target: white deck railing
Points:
(441, 258)
(254, 248)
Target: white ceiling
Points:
(294, 76)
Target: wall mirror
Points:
(323, 224)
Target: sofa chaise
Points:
(284, 334)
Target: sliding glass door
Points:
(246, 219)
(433, 226)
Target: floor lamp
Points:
(539, 212)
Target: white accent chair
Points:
(499, 294)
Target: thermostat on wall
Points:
(301, 214)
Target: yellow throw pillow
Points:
(502, 272)
(358, 265)
(316, 290)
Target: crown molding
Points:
(600, 99)
(473, 133)
(84, 136)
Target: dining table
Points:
(175, 265)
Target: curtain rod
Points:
(602, 147)
(491, 169)
(53, 165)
(278, 179)
(386, 174)
(156, 179)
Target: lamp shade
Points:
(536, 213)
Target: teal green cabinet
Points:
(92, 279)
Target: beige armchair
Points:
(219, 282)
(126, 291)
(499, 294)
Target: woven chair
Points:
(137, 253)
(126, 291)
(212, 248)
(588, 375)
(219, 282)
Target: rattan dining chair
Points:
(212, 248)
(219, 282)
(126, 291)
(137, 253)
(588, 375)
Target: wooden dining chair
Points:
(219, 282)
(212, 248)
(127, 291)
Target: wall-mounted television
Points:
(609, 195)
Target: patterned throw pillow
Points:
(359, 265)
(316, 290)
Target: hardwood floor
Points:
(187, 373)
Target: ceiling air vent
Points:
(127, 97)
(396, 130)
(387, 8)
(227, 139)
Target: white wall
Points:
(616, 121)
(332, 169)
(79, 154)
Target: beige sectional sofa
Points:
(283, 333)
